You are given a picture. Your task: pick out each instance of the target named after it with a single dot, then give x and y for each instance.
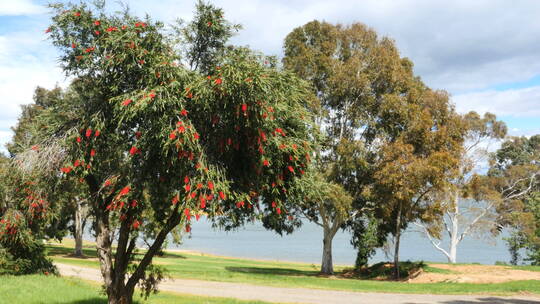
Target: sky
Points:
(485, 53)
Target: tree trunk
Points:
(454, 236)
(121, 295)
(396, 245)
(327, 266)
(79, 228)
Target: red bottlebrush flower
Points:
(48, 30)
(138, 134)
(186, 179)
(263, 136)
(73, 45)
(134, 150)
(203, 202)
(126, 102)
(193, 194)
(79, 139)
(187, 213)
(97, 22)
(141, 61)
(124, 191)
(218, 81)
(66, 170)
(302, 171)
(209, 23)
(124, 27)
(136, 224)
(90, 49)
(274, 204)
(187, 187)
(198, 166)
(189, 95)
(133, 204)
(88, 133)
(240, 204)
(77, 14)
(196, 136)
(152, 95)
(290, 158)
(181, 129)
(175, 200)
(244, 107)
(278, 210)
(211, 185)
(291, 169)
(294, 146)
(197, 216)
(97, 32)
(266, 163)
(222, 195)
(183, 112)
(77, 163)
(35, 147)
(188, 228)
(172, 136)
(107, 183)
(112, 28)
(92, 153)
(199, 186)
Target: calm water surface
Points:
(305, 245)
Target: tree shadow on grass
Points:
(65, 251)
(273, 271)
(95, 301)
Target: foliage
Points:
(385, 132)
(203, 40)
(515, 174)
(468, 206)
(157, 144)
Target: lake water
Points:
(305, 245)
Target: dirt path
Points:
(475, 274)
(298, 295)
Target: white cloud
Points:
(26, 61)
(516, 102)
(20, 7)
(456, 45)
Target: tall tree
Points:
(156, 144)
(367, 99)
(462, 213)
(416, 163)
(30, 133)
(515, 175)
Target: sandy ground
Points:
(298, 295)
(475, 274)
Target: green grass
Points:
(34, 289)
(526, 267)
(287, 274)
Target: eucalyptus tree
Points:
(462, 214)
(515, 175)
(157, 144)
(368, 99)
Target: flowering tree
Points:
(158, 145)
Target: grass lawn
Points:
(212, 268)
(34, 289)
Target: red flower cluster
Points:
(134, 150)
